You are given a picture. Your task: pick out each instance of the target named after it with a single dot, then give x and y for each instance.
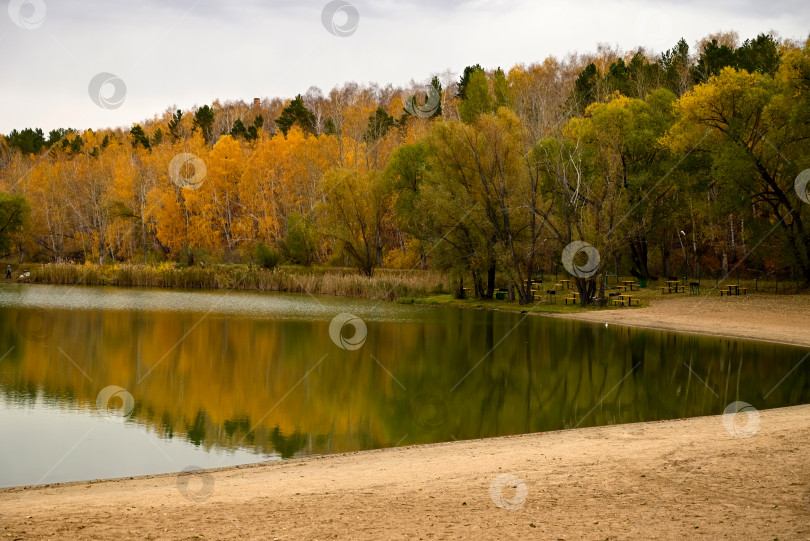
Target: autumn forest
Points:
(680, 163)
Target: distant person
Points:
(8, 272)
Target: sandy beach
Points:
(666, 480)
(784, 319)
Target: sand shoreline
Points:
(664, 327)
(655, 480)
(765, 318)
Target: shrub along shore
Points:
(386, 284)
(427, 287)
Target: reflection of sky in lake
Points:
(43, 444)
(244, 303)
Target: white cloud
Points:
(187, 52)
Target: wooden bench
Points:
(666, 289)
(572, 299)
(725, 292)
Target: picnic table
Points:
(733, 289)
(627, 299)
(620, 300)
(673, 284)
(629, 285)
(566, 283)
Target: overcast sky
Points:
(189, 52)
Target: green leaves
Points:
(139, 137)
(355, 215)
(29, 141)
(477, 99)
(465, 80)
(174, 125)
(378, 125)
(14, 215)
(267, 257)
(250, 133)
(743, 122)
(296, 113)
(239, 130)
(760, 55)
(300, 242)
(204, 120)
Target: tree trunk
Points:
(599, 290)
(478, 285)
(143, 236)
(525, 290)
(665, 254)
(587, 289)
(638, 251)
(490, 282)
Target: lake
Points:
(112, 382)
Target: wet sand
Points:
(664, 480)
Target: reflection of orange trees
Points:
(225, 378)
(284, 386)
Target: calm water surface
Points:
(105, 382)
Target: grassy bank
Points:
(404, 286)
(645, 296)
(385, 284)
(507, 306)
